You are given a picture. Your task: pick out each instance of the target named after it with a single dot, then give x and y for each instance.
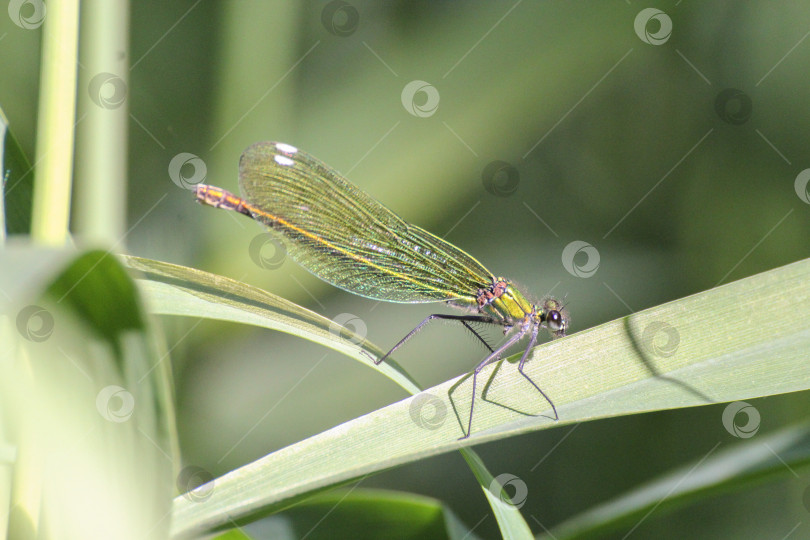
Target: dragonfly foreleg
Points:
(523, 358)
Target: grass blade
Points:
(714, 350)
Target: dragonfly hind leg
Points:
(463, 319)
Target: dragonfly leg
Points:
(520, 369)
(464, 319)
(495, 355)
(476, 334)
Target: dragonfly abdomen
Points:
(220, 198)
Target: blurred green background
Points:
(630, 146)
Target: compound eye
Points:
(554, 320)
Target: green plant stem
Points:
(101, 142)
(57, 114)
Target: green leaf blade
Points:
(597, 373)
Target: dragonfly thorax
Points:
(507, 306)
(503, 302)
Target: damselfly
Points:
(348, 239)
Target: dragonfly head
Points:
(555, 317)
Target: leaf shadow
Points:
(647, 361)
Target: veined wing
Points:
(347, 238)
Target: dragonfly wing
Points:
(346, 237)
